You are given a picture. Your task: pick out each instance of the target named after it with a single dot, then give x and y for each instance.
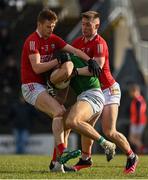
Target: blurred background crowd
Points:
(124, 25)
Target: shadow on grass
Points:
(25, 172)
(101, 166)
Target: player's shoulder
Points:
(78, 39)
(99, 39)
(32, 37)
(56, 39)
(140, 98)
(54, 36)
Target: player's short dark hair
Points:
(90, 15)
(47, 14)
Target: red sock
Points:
(61, 148)
(130, 153)
(54, 155)
(85, 155)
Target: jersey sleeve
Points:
(75, 43)
(33, 46)
(100, 49)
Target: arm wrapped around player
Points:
(94, 68)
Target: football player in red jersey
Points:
(138, 119)
(95, 46)
(37, 58)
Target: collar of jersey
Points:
(39, 34)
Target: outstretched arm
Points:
(76, 51)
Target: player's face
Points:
(46, 28)
(89, 27)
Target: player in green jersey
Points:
(89, 105)
(84, 81)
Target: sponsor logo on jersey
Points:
(46, 58)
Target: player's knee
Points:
(110, 134)
(58, 112)
(68, 68)
(114, 135)
(71, 124)
(68, 124)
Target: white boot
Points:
(109, 148)
(57, 167)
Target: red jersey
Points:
(138, 111)
(97, 47)
(45, 47)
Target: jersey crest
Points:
(46, 47)
(53, 46)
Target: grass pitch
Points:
(36, 167)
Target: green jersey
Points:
(82, 83)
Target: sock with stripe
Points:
(85, 155)
(130, 154)
(101, 141)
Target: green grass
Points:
(36, 167)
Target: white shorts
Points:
(112, 94)
(95, 98)
(137, 129)
(31, 91)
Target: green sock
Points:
(101, 140)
